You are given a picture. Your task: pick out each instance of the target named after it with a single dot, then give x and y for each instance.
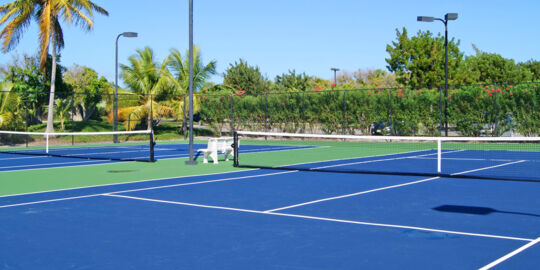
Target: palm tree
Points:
(148, 82)
(18, 14)
(7, 100)
(179, 67)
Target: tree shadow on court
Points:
(475, 210)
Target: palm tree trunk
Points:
(50, 113)
(150, 114)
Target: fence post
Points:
(495, 114)
(392, 127)
(184, 119)
(72, 114)
(344, 128)
(232, 114)
(265, 114)
(150, 126)
(304, 112)
(441, 126)
(26, 113)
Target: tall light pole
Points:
(335, 70)
(115, 96)
(191, 160)
(447, 17)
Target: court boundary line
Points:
(490, 167)
(117, 161)
(388, 187)
(46, 164)
(122, 183)
(378, 160)
(511, 254)
(352, 194)
(365, 157)
(148, 188)
(322, 218)
(155, 179)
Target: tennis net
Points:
(498, 158)
(130, 146)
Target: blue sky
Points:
(305, 35)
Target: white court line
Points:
(343, 159)
(116, 161)
(490, 167)
(379, 160)
(323, 219)
(101, 162)
(467, 159)
(48, 164)
(352, 194)
(203, 182)
(511, 254)
(383, 188)
(123, 183)
(51, 200)
(141, 189)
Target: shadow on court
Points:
(475, 210)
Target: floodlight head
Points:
(334, 69)
(425, 19)
(129, 34)
(450, 16)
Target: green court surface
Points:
(37, 180)
(28, 181)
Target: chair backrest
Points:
(213, 144)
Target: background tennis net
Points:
(131, 145)
(508, 158)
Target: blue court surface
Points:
(277, 219)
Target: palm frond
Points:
(21, 14)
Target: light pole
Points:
(447, 17)
(191, 160)
(335, 70)
(115, 96)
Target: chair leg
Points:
(205, 159)
(214, 157)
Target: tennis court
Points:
(310, 204)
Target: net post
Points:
(439, 154)
(152, 144)
(235, 148)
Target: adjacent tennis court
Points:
(315, 206)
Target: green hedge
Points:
(472, 110)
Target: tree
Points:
(48, 13)
(149, 83)
(242, 77)
(87, 88)
(419, 60)
(534, 67)
(493, 68)
(9, 106)
(179, 68)
(293, 81)
(374, 78)
(31, 85)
